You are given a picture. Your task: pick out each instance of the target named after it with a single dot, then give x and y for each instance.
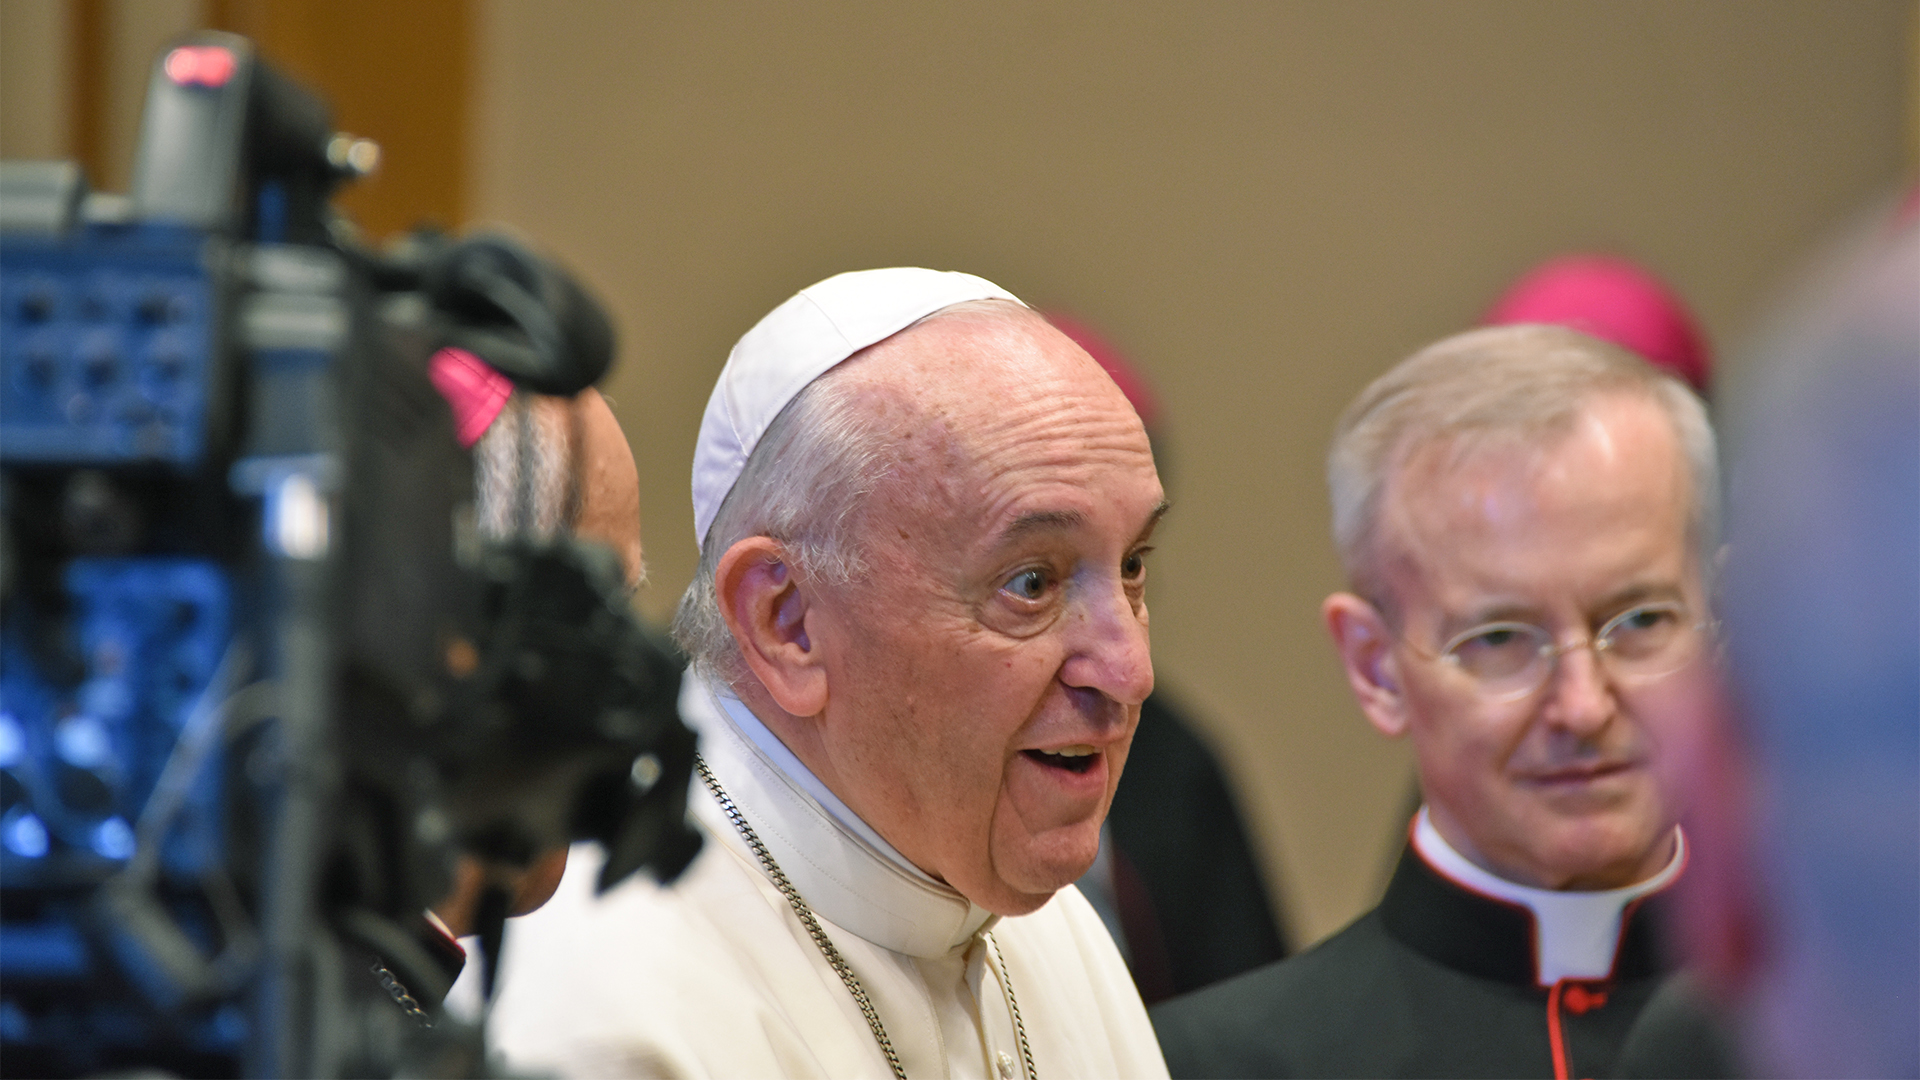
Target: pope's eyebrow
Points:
(1040, 521)
(1153, 520)
(1058, 520)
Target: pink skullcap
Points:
(1130, 381)
(1614, 300)
(474, 390)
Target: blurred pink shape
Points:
(1615, 300)
(1124, 375)
(475, 391)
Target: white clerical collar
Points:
(845, 870)
(1576, 934)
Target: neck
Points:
(801, 737)
(843, 869)
(791, 743)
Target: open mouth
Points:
(1074, 759)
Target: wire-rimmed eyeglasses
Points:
(1511, 660)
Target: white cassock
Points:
(717, 977)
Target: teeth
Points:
(1082, 750)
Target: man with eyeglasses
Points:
(1525, 515)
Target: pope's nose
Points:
(1108, 647)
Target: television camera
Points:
(262, 679)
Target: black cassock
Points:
(1439, 981)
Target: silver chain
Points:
(825, 943)
(1013, 1006)
(800, 908)
(401, 996)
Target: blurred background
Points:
(1263, 205)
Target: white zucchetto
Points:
(798, 342)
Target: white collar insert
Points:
(1576, 934)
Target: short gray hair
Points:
(526, 483)
(804, 485)
(1522, 382)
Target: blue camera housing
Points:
(107, 339)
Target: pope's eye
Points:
(1134, 566)
(1027, 584)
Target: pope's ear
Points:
(1365, 643)
(767, 610)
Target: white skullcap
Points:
(798, 342)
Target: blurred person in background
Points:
(1613, 299)
(1176, 881)
(919, 637)
(1616, 300)
(545, 468)
(1526, 515)
(1804, 793)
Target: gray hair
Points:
(804, 485)
(1504, 383)
(525, 480)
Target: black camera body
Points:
(261, 679)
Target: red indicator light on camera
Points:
(200, 65)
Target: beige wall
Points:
(1265, 204)
(135, 32)
(37, 71)
(73, 81)
(33, 79)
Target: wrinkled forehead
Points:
(967, 371)
(970, 401)
(959, 347)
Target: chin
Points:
(1610, 852)
(1029, 879)
(1001, 894)
(1012, 903)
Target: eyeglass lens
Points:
(1644, 642)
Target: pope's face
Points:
(986, 675)
(1554, 788)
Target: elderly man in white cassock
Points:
(919, 636)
